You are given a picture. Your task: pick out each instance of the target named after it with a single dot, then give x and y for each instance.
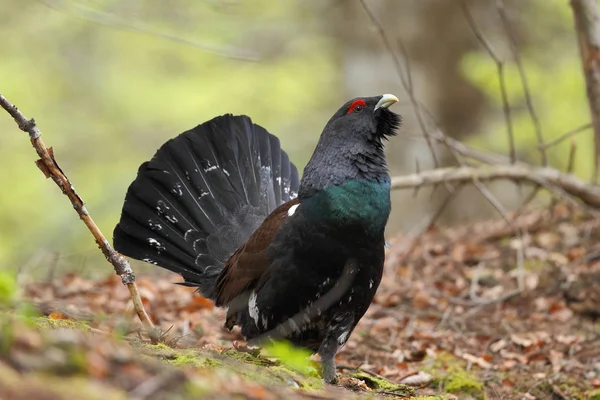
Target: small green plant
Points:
(459, 381)
(291, 357)
(8, 288)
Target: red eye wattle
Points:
(356, 106)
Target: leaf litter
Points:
(466, 312)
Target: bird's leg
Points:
(327, 352)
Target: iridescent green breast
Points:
(359, 202)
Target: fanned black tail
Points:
(202, 195)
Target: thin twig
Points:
(106, 19)
(407, 86)
(503, 213)
(469, 152)
(567, 135)
(50, 168)
(524, 81)
(571, 159)
(487, 302)
(501, 78)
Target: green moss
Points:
(48, 386)
(460, 381)
(7, 335)
(159, 346)
(248, 358)
(376, 383)
(183, 359)
(209, 362)
(533, 265)
(77, 361)
(594, 395)
(45, 322)
(426, 398)
(572, 391)
(197, 389)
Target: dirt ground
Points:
(476, 312)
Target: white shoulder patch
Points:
(254, 312)
(292, 210)
(252, 308)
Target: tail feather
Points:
(202, 195)
(289, 175)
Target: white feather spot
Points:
(161, 207)
(156, 244)
(155, 226)
(343, 337)
(370, 283)
(292, 210)
(212, 168)
(325, 283)
(293, 325)
(149, 261)
(226, 172)
(253, 308)
(187, 233)
(265, 321)
(172, 219)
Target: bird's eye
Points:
(357, 106)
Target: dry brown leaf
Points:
(498, 345)
(476, 360)
(57, 315)
(556, 358)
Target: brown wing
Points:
(245, 267)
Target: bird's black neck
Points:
(334, 164)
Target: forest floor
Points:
(468, 312)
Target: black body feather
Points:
(222, 205)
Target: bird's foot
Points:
(245, 347)
(329, 371)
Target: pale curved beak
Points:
(386, 101)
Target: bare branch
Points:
(501, 78)
(106, 19)
(469, 152)
(571, 159)
(406, 84)
(587, 24)
(567, 135)
(50, 168)
(524, 82)
(546, 177)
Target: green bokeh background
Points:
(108, 82)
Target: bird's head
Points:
(351, 145)
(364, 118)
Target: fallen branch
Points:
(546, 177)
(47, 164)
